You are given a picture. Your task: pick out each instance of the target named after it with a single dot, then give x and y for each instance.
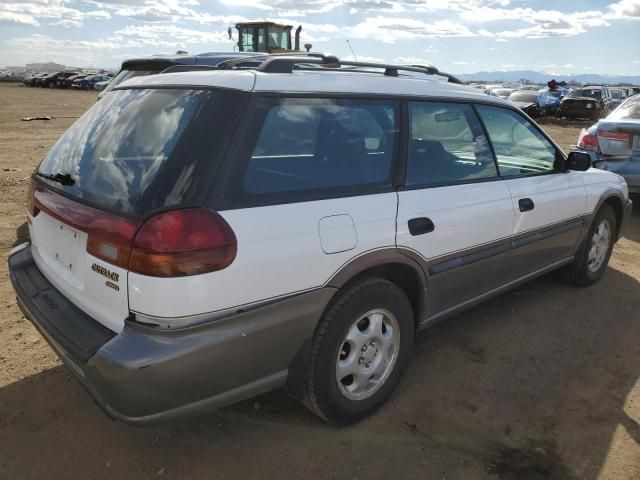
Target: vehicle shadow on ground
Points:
(530, 385)
(22, 234)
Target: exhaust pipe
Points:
(297, 44)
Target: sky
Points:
(461, 36)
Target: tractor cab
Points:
(266, 37)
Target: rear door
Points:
(549, 204)
(454, 211)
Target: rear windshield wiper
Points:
(63, 178)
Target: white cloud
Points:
(362, 58)
(391, 29)
(10, 18)
(31, 13)
(169, 36)
(412, 61)
(626, 9)
(101, 14)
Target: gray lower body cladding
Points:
(143, 375)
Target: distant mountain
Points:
(543, 78)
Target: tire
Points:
(362, 306)
(593, 257)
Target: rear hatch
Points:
(137, 152)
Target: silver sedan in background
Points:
(614, 142)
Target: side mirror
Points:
(578, 161)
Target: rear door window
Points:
(447, 145)
(302, 148)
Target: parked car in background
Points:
(53, 80)
(618, 95)
(89, 81)
(61, 79)
(140, 67)
(31, 80)
(614, 142)
(67, 82)
(531, 102)
(592, 102)
(551, 99)
(372, 205)
(503, 92)
(43, 80)
(102, 85)
(533, 88)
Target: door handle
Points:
(526, 204)
(420, 226)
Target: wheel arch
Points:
(399, 266)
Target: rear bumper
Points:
(143, 375)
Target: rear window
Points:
(629, 110)
(143, 149)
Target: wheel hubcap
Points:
(600, 243)
(367, 354)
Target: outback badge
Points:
(105, 272)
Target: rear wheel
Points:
(360, 350)
(596, 250)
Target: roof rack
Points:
(288, 62)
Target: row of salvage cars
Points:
(589, 102)
(74, 80)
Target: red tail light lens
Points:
(170, 244)
(587, 141)
(183, 242)
(614, 135)
(109, 236)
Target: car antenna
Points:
(352, 52)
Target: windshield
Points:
(629, 110)
(529, 97)
(585, 92)
(502, 92)
(142, 149)
(126, 75)
(617, 94)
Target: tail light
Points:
(587, 140)
(624, 137)
(171, 244)
(31, 204)
(183, 242)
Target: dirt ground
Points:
(539, 383)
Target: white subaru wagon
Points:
(201, 237)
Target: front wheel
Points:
(596, 250)
(362, 346)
